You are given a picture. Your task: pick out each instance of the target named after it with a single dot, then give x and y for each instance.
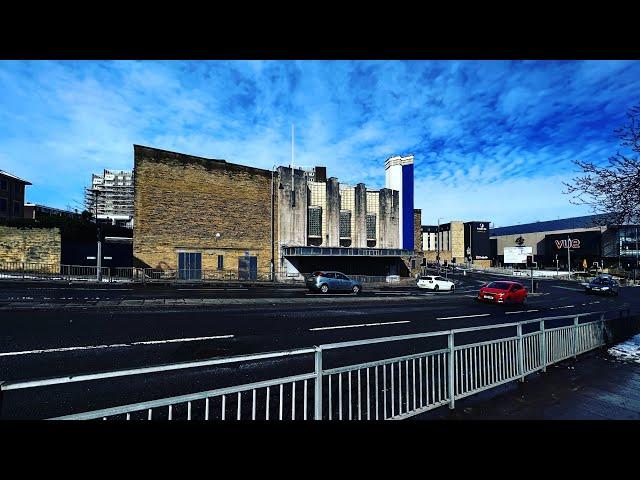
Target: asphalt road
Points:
(74, 335)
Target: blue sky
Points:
(492, 140)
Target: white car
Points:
(435, 283)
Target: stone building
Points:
(207, 217)
(19, 246)
(204, 217)
(458, 242)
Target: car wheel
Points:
(436, 288)
(453, 287)
(324, 288)
(356, 289)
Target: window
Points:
(371, 226)
(16, 208)
(315, 222)
(16, 188)
(345, 224)
(3, 183)
(3, 204)
(220, 262)
(413, 264)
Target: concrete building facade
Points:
(457, 242)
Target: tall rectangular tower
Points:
(399, 176)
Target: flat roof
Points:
(586, 221)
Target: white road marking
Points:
(522, 311)
(566, 306)
(115, 345)
(392, 293)
(208, 289)
(464, 316)
(360, 325)
(569, 288)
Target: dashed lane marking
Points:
(464, 316)
(569, 288)
(522, 311)
(115, 345)
(558, 308)
(360, 325)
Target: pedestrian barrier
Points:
(422, 379)
(34, 271)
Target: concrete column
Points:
(333, 212)
(360, 217)
(389, 218)
(292, 219)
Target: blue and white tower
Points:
(399, 176)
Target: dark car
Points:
(503, 291)
(604, 285)
(326, 282)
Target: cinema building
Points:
(209, 218)
(585, 240)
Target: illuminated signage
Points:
(568, 243)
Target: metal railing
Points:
(36, 271)
(398, 387)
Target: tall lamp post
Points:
(95, 193)
(438, 245)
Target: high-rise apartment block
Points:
(111, 197)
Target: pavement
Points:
(55, 330)
(596, 386)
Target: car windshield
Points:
(499, 285)
(600, 281)
(425, 278)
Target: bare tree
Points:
(613, 190)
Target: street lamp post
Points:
(438, 245)
(569, 255)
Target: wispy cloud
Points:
(492, 140)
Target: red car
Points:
(503, 291)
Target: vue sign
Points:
(575, 243)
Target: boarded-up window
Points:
(371, 226)
(345, 224)
(315, 222)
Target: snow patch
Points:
(629, 350)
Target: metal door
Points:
(248, 267)
(190, 266)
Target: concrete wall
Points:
(360, 217)
(181, 201)
(292, 220)
(389, 218)
(30, 245)
(333, 213)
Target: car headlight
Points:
(501, 294)
(605, 288)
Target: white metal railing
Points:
(389, 388)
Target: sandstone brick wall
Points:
(457, 241)
(181, 201)
(30, 245)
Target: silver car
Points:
(326, 282)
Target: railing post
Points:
(22, 270)
(543, 347)
(575, 336)
(452, 366)
(317, 399)
(520, 353)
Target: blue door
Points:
(190, 266)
